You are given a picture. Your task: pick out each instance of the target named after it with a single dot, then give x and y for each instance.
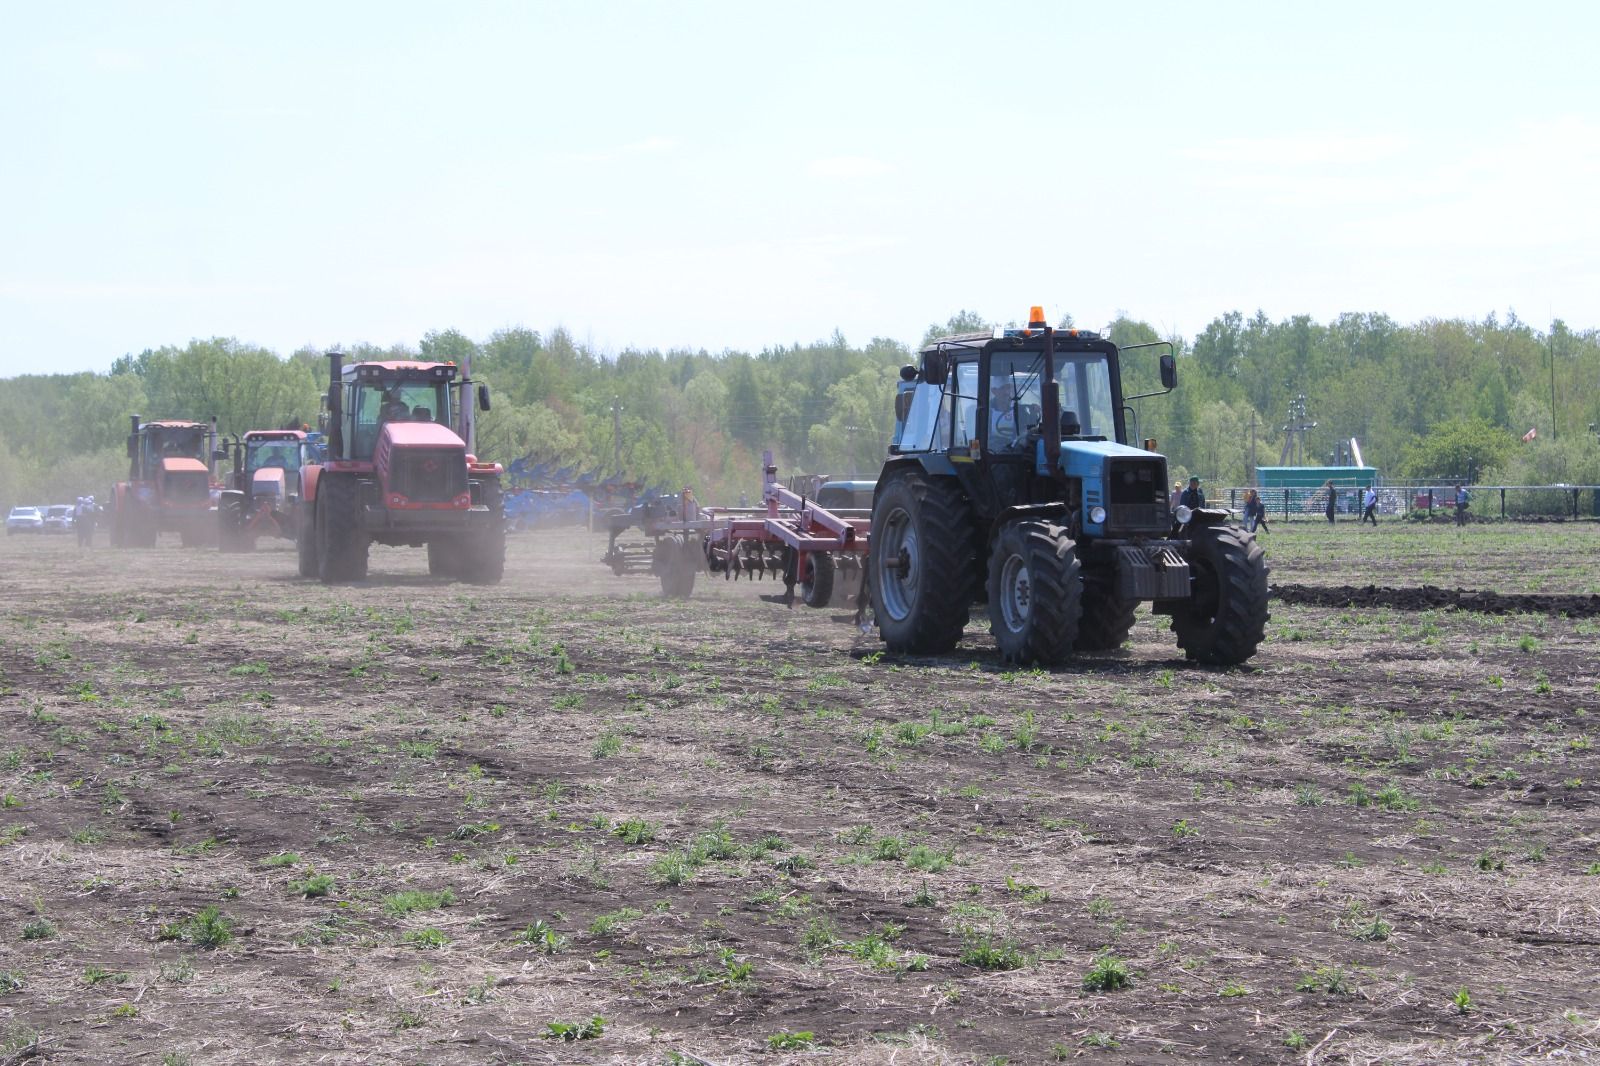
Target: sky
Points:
(745, 175)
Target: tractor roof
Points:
(395, 364)
(1012, 338)
(275, 434)
(173, 423)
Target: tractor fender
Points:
(935, 464)
(309, 477)
(1209, 516)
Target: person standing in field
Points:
(1462, 499)
(83, 521)
(1193, 497)
(1177, 495)
(1369, 513)
(1333, 500)
(1255, 512)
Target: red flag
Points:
(1532, 433)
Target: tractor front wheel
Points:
(442, 557)
(230, 522)
(483, 559)
(923, 565)
(341, 542)
(1107, 618)
(1225, 618)
(1035, 593)
(305, 541)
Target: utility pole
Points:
(1252, 445)
(850, 444)
(616, 434)
(1552, 382)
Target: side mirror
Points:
(908, 373)
(219, 455)
(1169, 371)
(936, 368)
(483, 397)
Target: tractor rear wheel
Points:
(923, 566)
(1225, 619)
(817, 588)
(305, 541)
(1035, 593)
(341, 542)
(1107, 618)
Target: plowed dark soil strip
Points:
(1431, 597)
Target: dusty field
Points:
(244, 818)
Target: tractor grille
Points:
(1137, 496)
(428, 475)
(187, 486)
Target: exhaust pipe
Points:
(335, 405)
(211, 449)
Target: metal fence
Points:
(1421, 502)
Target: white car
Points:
(58, 518)
(24, 520)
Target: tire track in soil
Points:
(1431, 597)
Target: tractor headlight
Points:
(1097, 515)
(1182, 515)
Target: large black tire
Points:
(675, 564)
(923, 566)
(483, 551)
(1107, 618)
(230, 532)
(1225, 620)
(817, 589)
(341, 542)
(1035, 593)
(305, 541)
(443, 555)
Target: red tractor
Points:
(400, 471)
(263, 491)
(169, 484)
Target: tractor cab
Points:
(267, 463)
(981, 406)
(1011, 479)
(171, 460)
(399, 393)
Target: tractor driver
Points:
(394, 409)
(1002, 412)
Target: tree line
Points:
(1436, 399)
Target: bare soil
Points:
(439, 822)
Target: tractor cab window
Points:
(282, 454)
(961, 403)
(187, 442)
(379, 403)
(1016, 402)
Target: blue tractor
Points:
(1010, 479)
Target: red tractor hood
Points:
(421, 435)
(174, 466)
